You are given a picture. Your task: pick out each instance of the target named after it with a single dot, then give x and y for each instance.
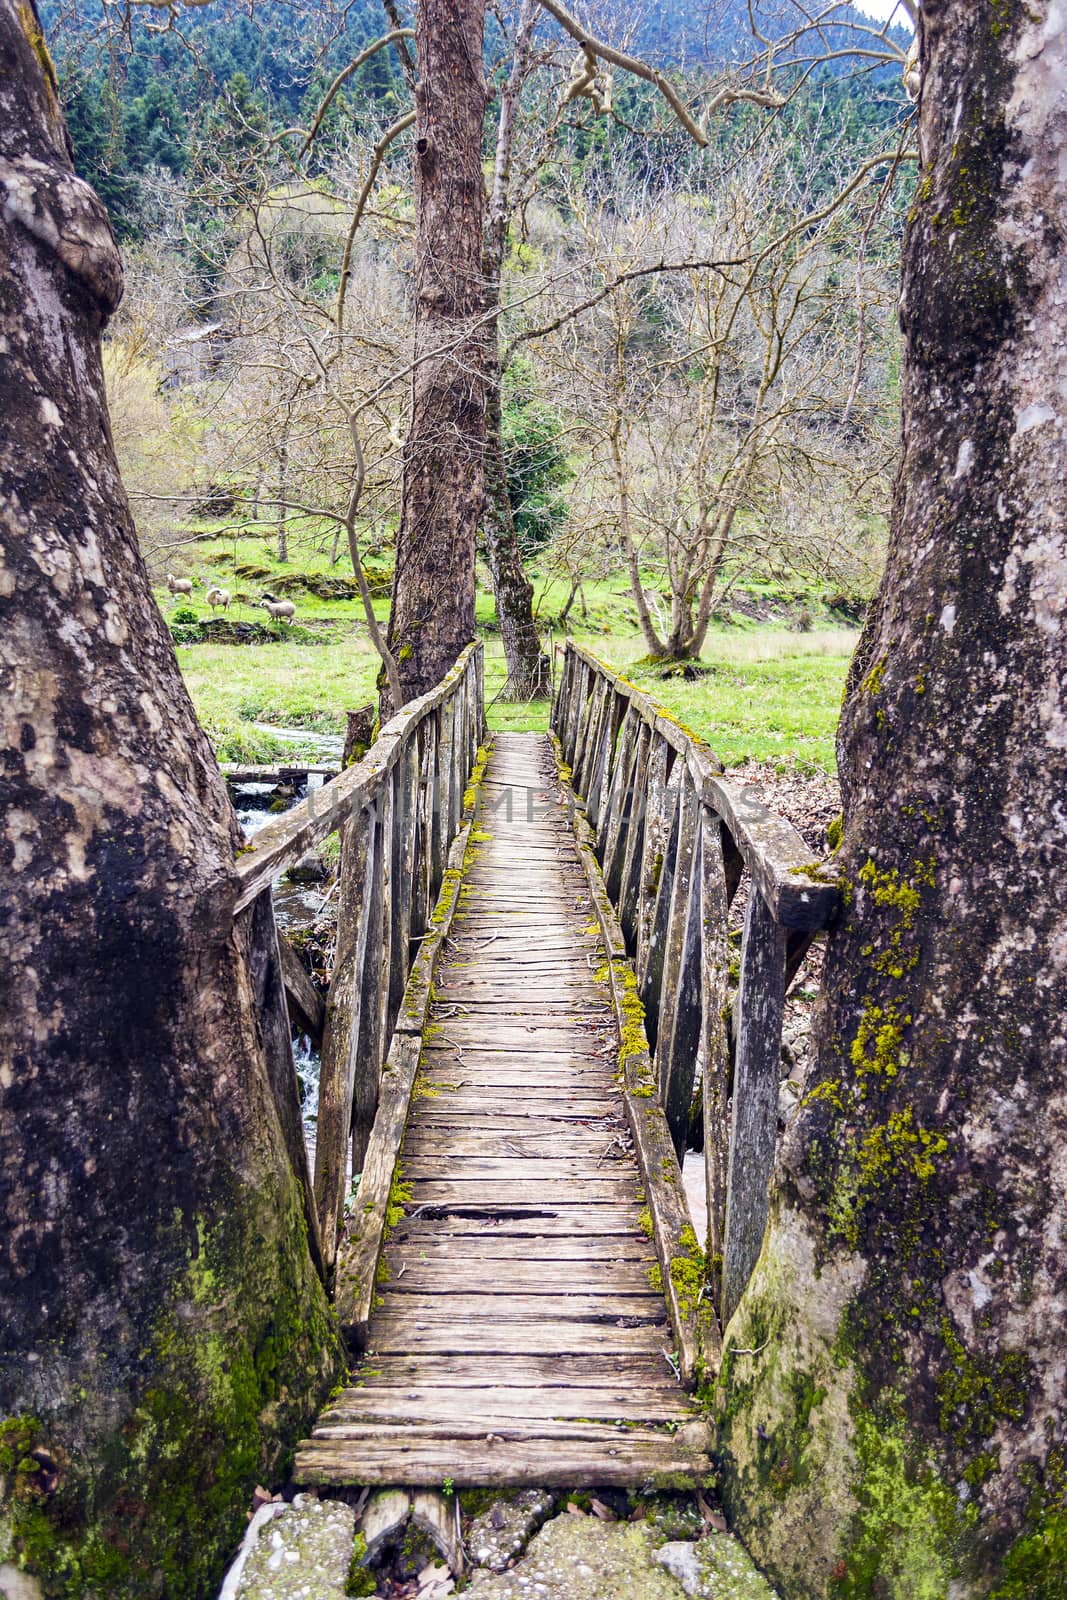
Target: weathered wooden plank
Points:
(259, 937)
(372, 1431)
(665, 842)
(428, 1246)
(489, 1464)
(715, 1044)
(654, 843)
(559, 1372)
(589, 734)
(306, 1006)
(603, 766)
(350, 1034)
(678, 1022)
(619, 806)
(610, 1278)
(417, 1307)
(629, 884)
(513, 1403)
(398, 1334)
(608, 1220)
(757, 1074)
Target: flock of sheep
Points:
(280, 610)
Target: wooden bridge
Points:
(533, 969)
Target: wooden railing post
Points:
(757, 1075)
(260, 936)
(651, 861)
(350, 1020)
(714, 1027)
(616, 815)
(661, 861)
(678, 1030)
(633, 851)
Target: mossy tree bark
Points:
(165, 1336)
(432, 615)
(892, 1411)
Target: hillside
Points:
(156, 99)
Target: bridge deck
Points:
(519, 1338)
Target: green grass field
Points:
(767, 693)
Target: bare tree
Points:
(718, 394)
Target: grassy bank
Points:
(766, 692)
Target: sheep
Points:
(180, 585)
(280, 609)
(218, 597)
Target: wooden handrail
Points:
(399, 808)
(402, 806)
(281, 844)
(673, 836)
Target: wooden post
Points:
(630, 870)
(605, 755)
(598, 700)
(653, 846)
(261, 944)
(575, 701)
(617, 804)
(435, 807)
(348, 1020)
(757, 1074)
(678, 1029)
(661, 860)
(714, 1007)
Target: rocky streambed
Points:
(525, 1544)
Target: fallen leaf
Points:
(599, 1509)
(575, 1511)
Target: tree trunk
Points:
(432, 615)
(528, 666)
(655, 644)
(896, 1426)
(165, 1336)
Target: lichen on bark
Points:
(913, 1281)
(165, 1336)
